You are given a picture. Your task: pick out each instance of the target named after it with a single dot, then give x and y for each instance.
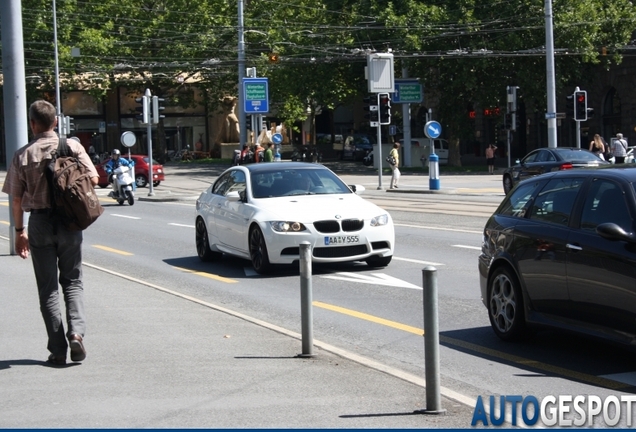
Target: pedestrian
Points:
(269, 154)
(490, 158)
(619, 148)
(395, 171)
(597, 147)
(51, 244)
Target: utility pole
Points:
(549, 64)
(15, 105)
(241, 75)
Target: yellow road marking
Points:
(513, 359)
(208, 275)
(371, 318)
(117, 251)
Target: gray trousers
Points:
(54, 247)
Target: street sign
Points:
(550, 115)
(407, 91)
(433, 129)
(256, 95)
(277, 138)
(392, 130)
(128, 139)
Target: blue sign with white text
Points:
(256, 95)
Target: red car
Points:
(141, 171)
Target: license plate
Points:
(339, 240)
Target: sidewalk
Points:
(159, 360)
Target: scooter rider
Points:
(115, 162)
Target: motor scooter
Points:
(123, 181)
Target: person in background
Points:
(115, 162)
(269, 153)
(490, 158)
(597, 147)
(395, 171)
(56, 252)
(619, 148)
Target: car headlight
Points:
(283, 226)
(380, 220)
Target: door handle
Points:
(573, 247)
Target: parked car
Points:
(357, 146)
(544, 160)
(262, 212)
(141, 171)
(440, 145)
(560, 251)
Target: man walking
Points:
(619, 148)
(52, 246)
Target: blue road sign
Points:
(256, 95)
(277, 138)
(433, 129)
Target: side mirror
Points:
(357, 189)
(613, 232)
(233, 196)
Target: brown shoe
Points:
(78, 353)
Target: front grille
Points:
(340, 252)
(327, 226)
(349, 225)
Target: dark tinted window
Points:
(236, 182)
(545, 156)
(530, 157)
(555, 201)
(221, 184)
(605, 202)
(516, 203)
(577, 155)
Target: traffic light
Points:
(590, 113)
(65, 125)
(580, 105)
(248, 122)
(384, 101)
(143, 110)
(569, 106)
(157, 107)
(507, 121)
(371, 107)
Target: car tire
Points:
(103, 186)
(203, 243)
(378, 261)
(156, 183)
(505, 305)
(258, 251)
(507, 183)
(140, 181)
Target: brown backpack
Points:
(73, 197)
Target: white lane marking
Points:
(125, 216)
(467, 247)
(436, 228)
(374, 279)
(418, 261)
(181, 225)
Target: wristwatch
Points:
(19, 229)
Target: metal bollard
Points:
(306, 314)
(431, 342)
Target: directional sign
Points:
(373, 279)
(407, 91)
(433, 129)
(256, 95)
(277, 138)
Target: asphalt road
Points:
(374, 313)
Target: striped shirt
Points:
(26, 176)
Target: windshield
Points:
(290, 182)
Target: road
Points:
(376, 313)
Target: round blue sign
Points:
(432, 129)
(277, 138)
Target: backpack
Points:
(73, 197)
